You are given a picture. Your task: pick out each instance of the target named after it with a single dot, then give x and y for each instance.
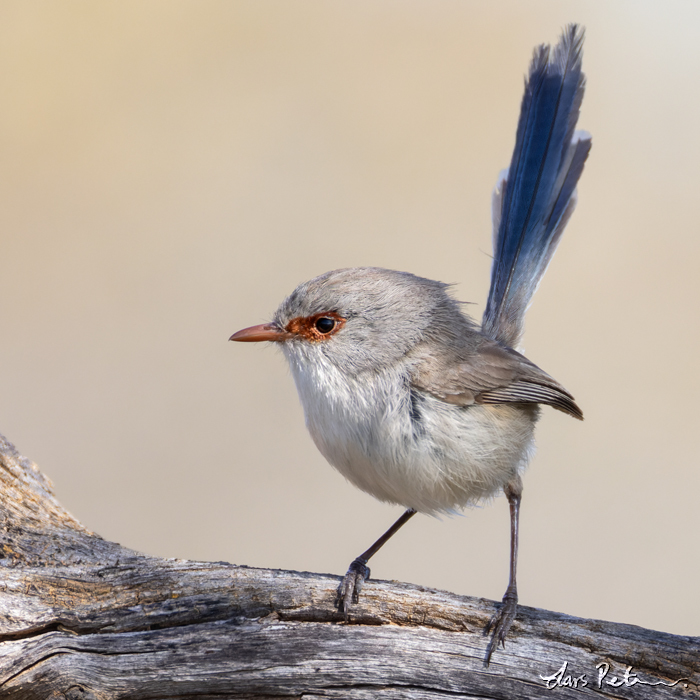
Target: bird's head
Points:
(361, 318)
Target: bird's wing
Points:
(491, 374)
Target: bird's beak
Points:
(256, 334)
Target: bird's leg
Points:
(358, 573)
(503, 618)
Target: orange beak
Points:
(257, 334)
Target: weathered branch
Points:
(84, 618)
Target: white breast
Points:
(416, 451)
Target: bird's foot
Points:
(501, 621)
(351, 585)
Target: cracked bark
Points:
(83, 618)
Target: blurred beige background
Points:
(171, 170)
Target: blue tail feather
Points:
(534, 202)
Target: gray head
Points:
(362, 318)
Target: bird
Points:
(409, 398)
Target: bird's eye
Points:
(325, 325)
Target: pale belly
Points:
(410, 448)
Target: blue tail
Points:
(534, 200)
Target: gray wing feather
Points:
(488, 373)
(529, 392)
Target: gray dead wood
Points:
(82, 618)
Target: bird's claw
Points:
(351, 585)
(500, 623)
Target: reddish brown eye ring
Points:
(325, 325)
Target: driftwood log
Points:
(83, 618)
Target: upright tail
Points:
(536, 196)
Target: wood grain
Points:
(83, 618)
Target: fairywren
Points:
(404, 394)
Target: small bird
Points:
(404, 394)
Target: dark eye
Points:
(325, 325)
